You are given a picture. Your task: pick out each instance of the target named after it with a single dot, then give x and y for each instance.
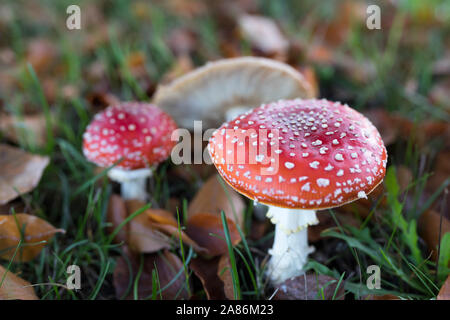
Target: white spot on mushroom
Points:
(362, 194)
(306, 187)
(289, 165)
(259, 158)
(314, 164)
(321, 182)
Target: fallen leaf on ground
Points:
(175, 233)
(428, 226)
(263, 34)
(33, 229)
(161, 216)
(115, 215)
(444, 293)
(21, 172)
(166, 265)
(41, 54)
(441, 171)
(224, 273)
(310, 287)
(15, 288)
(142, 236)
(29, 128)
(206, 271)
(212, 198)
(208, 232)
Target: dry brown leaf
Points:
(429, 223)
(444, 293)
(41, 54)
(213, 198)
(162, 217)
(207, 272)
(15, 288)
(29, 128)
(310, 287)
(224, 273)
(116, 213)
(166, 265)
(207, 231)
(135, 62)
(34, 230)
(182, 41)
(174, 232)
(263, 34)
(21, 171)
(142, 236)
(404, 177)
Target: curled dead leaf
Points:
(263, 34)
(14, 287)
(429, 223)
(207, 231)
(29, 128)
(207, 272)
(310, 287)
(168, 268)
(35, 232)
(21, 172)
(214, 196)
(224, 273)
(142, 236)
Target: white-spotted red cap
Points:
(306, 154)
(137, 133)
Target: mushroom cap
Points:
(137, 133)
(303, 154)
(209, 91)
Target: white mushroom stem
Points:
(132, 182)
(290, 247)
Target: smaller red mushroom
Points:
(134, 136)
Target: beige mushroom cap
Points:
(211, 91)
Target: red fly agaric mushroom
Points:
(298, 156)
(134, 135)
